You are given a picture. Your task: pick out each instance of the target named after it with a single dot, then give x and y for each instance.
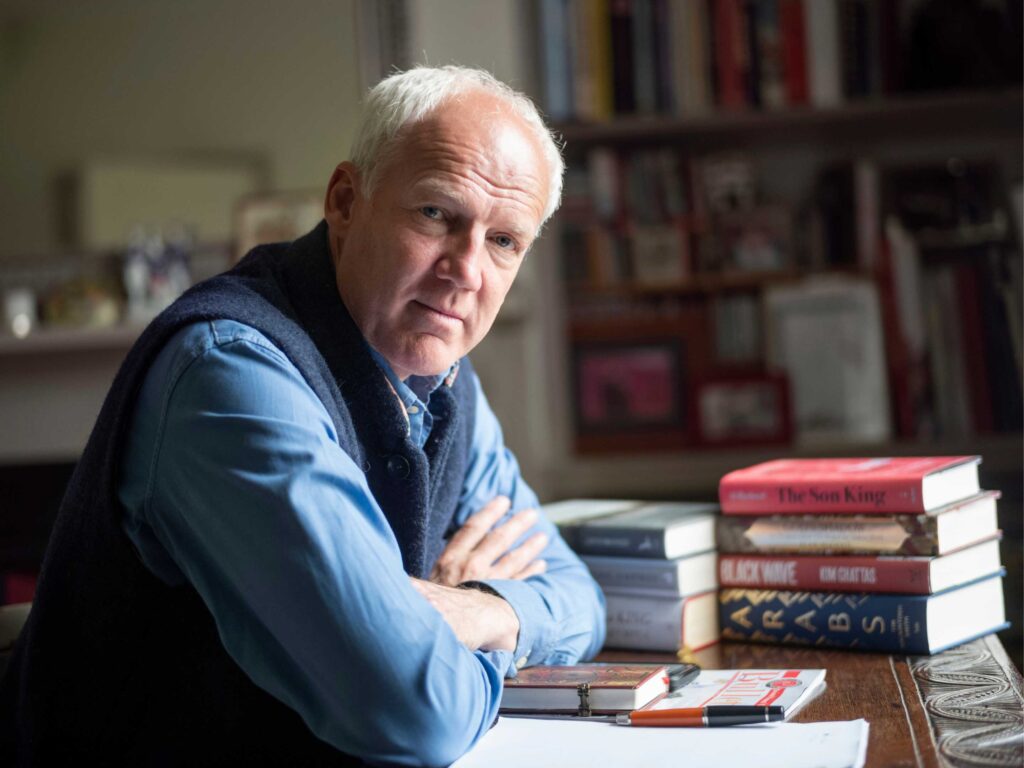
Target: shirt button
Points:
(398, 467)
(520, 662)
(414, 409)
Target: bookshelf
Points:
(875, 110)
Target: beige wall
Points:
(123, 77)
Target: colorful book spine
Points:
(794, 51)
(827, 486)
(957, 526)
(869, 622)
(729, 48)
(906, 575)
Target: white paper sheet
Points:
(515, 743)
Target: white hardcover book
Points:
(824, 73)
(662, 624)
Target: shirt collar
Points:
(415, 390)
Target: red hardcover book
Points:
(794, 51)
(863, 485)
(730, 46)
(910, 575)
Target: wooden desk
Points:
(963, 707)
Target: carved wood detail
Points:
(972, 695)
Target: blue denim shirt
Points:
(232, 480)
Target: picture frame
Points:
(629, 387)
(275, 217)
(745, 408)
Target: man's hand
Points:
(478, 550)
(480, 620)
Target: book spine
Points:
(729, 50)
(644, 624)
(823, 49)
(750, 497)
(644, 57)
(622, 56)
(555, 59)
(892, 623)
(884, 535)
(629, 542)
(619, 576)
(794, 51)
(599, 42)
(838, 574)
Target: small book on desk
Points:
(790, 689)
(635, 529)
(609, 688)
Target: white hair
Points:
(409, 97)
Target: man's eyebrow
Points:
(434, 189)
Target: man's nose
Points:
(462, 260)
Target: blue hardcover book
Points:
(913, 624)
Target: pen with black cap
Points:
(702, 717)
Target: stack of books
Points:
(655, 563)
(892, 554)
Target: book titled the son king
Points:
(863, 485)
(611, 688)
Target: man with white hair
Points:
(296, 535)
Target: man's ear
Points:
(342, 193)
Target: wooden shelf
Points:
(50, 340)
(995, 111)
(695, 473)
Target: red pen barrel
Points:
(674, 718)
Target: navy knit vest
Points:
(116, 668)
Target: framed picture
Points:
(629, 386)
(743, 409)
(275, 218)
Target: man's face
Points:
(424, 264)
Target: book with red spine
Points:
(908, 575)
(794, 51)
(730, 51)
(849, 485)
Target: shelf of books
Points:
(737, 273)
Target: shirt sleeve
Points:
(561, 612)
(235, 483)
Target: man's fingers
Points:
(478, 525)
(451, 565)
(513, 563)
(497, 543)
(536, 568)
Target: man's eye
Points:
(432, 212)
(506, 242)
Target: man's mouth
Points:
(445, 315)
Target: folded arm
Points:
(560, 608)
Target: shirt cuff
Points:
(534, 644)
